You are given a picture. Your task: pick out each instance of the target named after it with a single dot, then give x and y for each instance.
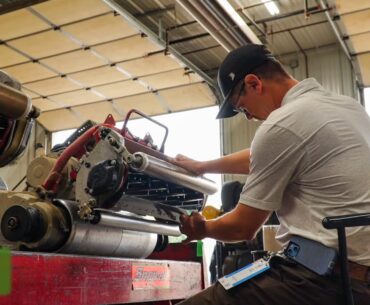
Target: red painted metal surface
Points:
(182, 252)
(179, 252)
(53, 279)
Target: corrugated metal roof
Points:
(312, 32)
(288, 32)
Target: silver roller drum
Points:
(161, 169)
(89, 239)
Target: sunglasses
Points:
(234, 101)
(235, 97)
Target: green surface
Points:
(5, 271)
(199, 248)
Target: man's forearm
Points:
(217, 229)
(242, 223)
(236, 163)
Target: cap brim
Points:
(226, 110)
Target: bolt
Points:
(112, 142)
(113, 162)
(13, 223)
(84, 211)
(87, 190)
(87, 165)
(92, 202)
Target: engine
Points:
(103, 192)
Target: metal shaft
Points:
(164, 170)
(141, 225)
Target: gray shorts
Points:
(283, 285)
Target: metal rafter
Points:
(130, 18)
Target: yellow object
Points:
(210, 212)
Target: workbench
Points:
(57, 279)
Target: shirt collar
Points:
(303, 86)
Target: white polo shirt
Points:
(311, 159)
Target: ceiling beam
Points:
(134, 21)
(6, 7)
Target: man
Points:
(309, 159)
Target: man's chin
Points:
(255, 118)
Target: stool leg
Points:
(346, 282)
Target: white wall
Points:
(328, 65)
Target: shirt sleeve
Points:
(276, 153)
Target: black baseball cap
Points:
(236, 65)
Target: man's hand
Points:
(190, 165)
(193, 226)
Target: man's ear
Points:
(253, 82)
